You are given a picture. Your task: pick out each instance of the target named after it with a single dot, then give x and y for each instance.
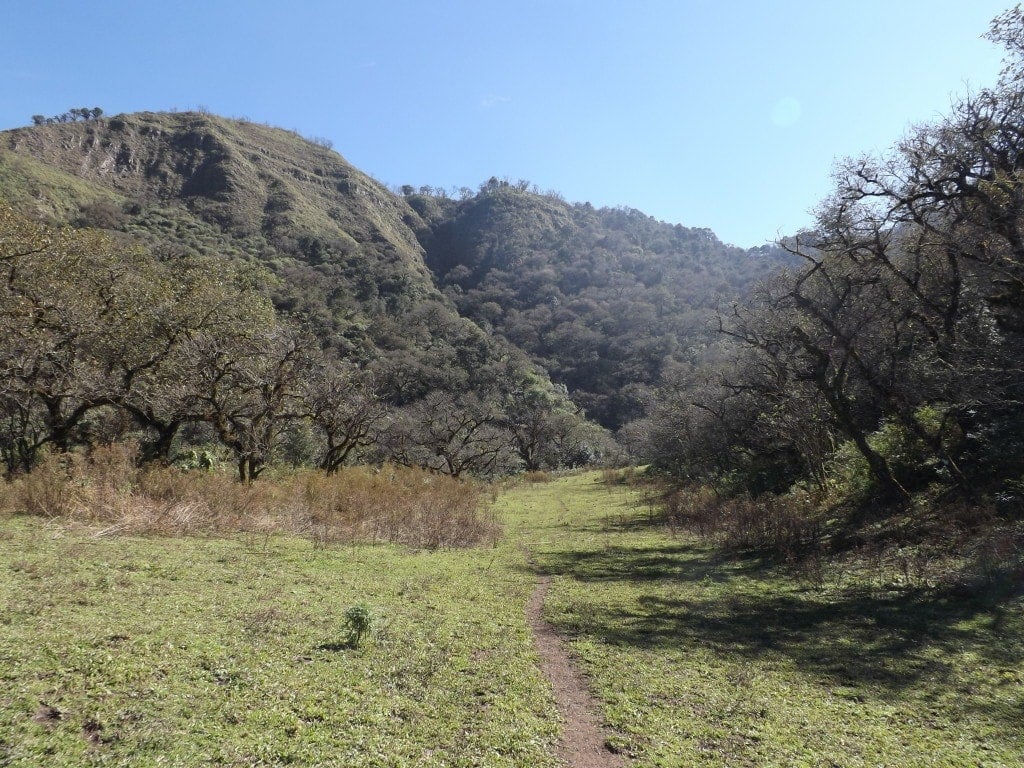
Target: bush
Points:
(631, 476)
(911, 460)
(785, 528)
(358, 624)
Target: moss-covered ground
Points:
(231, 651)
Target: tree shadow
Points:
(877, 641)
(667, 563)
(889, 638)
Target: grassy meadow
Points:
(232, 650)
(705, 661)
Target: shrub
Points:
(47, 491)
(912, 461)
(785, 528)
(625, 476)
(358, 624)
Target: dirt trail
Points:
(583, 743)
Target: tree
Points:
(87, 323)
(905, 325)
(152, 359)
(547, 429)
(58, 300)
(453, 434)
(249, 388)
(344, 409)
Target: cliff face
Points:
(237, 174)
(336, 246)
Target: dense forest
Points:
(603, 299)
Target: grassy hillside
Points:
(336, 243)
(257, 173)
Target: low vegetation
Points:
(706, 659)
(265, 647)
(390, 503)
(242, 650)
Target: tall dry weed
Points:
(787, 528)
(360, 504)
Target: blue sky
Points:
(725, 114)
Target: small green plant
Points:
(358, 623)
(196, 459)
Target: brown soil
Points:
(584, 742)
(47, 715)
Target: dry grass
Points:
(361, 504)
(630, 476)
(929, 545)
(786, 527)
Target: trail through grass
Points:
(704, 661)
(134, 651)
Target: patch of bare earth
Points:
(584, 742)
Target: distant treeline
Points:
(71, 116)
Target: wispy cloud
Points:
(493, 100)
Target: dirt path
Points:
(583, 743)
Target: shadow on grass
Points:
(893, 639)
(344, 645)
(668, 563)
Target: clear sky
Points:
(726, 114)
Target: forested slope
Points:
(336, 241)
(603, 298)
(235, 203)
(475, 302)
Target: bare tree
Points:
(344, 409)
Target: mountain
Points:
(337, 244)
(603, 299)
(435, 293)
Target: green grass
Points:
(700, 660)
(234, 651)
(34, 186)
